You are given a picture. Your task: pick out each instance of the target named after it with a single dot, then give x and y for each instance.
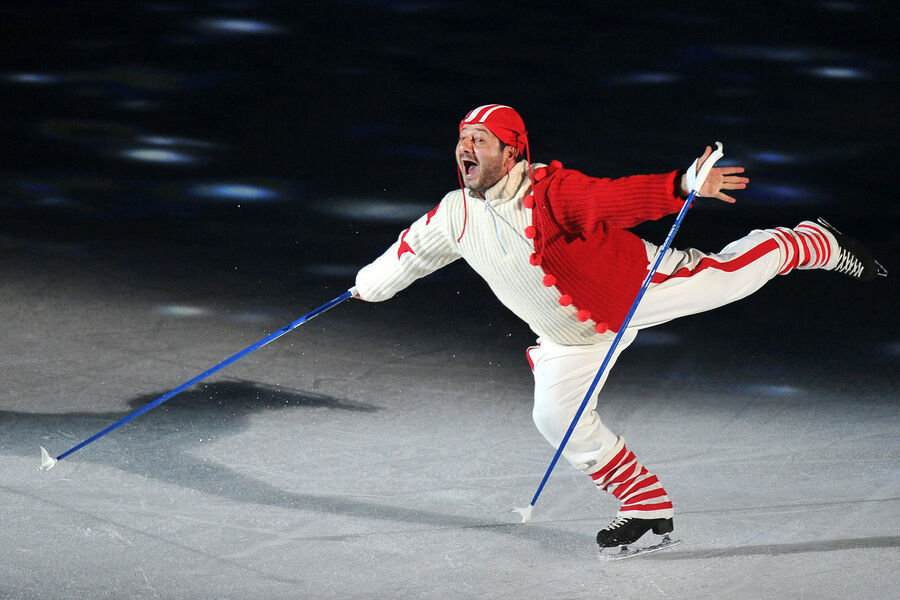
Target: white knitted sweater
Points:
(494, 245)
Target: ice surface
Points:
(376, 452)
(355, 460)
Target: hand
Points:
(719, 178)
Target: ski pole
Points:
(701, 177)
(48, 462)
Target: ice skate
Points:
(617, 539)
(849, 256)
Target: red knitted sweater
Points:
(581, 242)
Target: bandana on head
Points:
(501, 120)
(504, 122)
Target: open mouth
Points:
(469, 167)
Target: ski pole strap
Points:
(695, 178)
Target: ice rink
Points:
(167, 202)
(355, 458)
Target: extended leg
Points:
(690, 281)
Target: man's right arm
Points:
(422, 248)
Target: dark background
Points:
(272, 148)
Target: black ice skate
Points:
(615, 538)
(854, 259)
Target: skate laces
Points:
(849, 264)
(853, 258)
(617, 522)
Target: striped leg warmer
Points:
(639, 490)
(807, 246)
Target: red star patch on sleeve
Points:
(404, 247)
(431, 213)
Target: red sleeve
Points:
(583, 205)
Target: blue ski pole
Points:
(48, 462)
(701, 177)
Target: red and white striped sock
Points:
(639, 490)
(807, 246)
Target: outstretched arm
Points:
(719, 179)
(424, 247)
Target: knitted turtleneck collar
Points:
(506, 187)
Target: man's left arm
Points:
(586, 204)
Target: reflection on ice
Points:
(770, 53)
(363, 209)
(112, 138)
(188, 311)
(239, 26)
(55, 201)
(782, 193)
(161, 140)
(182, 311)
(156, 155)
(251, 316)
(770, 390)
(773, 157)
(343, 271)
(234, 191)
(39, 78)
(892, 349)
(654, 78)
(838, 73)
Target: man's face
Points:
(480, 158)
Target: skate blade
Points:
(620, 552)
(47, 461)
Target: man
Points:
(552, 244)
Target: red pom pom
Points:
(535, 259)
(602, 327)
(528, 201)
(555, 164)
(540, 173)
(583, 315)
(549, 280)
(530, 232)
(565, 300)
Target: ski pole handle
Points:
(694, 178)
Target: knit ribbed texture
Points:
(581, 237)
(577, 220)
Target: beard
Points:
(479, 176)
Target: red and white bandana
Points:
(503, 121)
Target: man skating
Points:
(553, 245)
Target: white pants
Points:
(687, 282)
